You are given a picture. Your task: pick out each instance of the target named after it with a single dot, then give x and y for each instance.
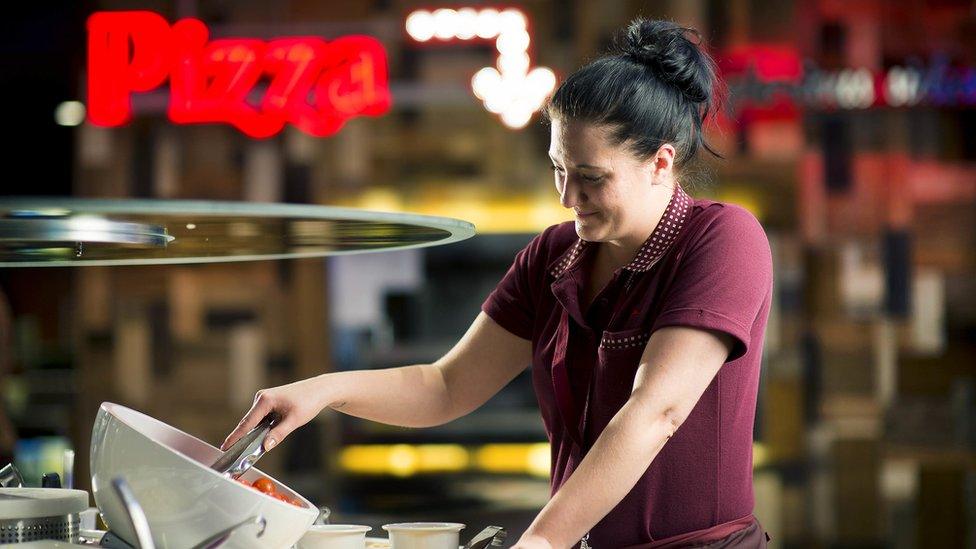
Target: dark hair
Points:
(656, 86)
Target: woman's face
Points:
(609, 189)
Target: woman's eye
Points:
(594, 179)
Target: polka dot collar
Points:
(656, 245)
(664, 234)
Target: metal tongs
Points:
(493, 536)
(10, 477)
(246, 451)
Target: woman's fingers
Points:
(262, 406)
(282, 429)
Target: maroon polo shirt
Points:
(706, 265)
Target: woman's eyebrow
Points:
(590, 166)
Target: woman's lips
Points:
(587, 214)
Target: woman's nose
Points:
(571, 194)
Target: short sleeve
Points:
(723, 279)
(512, 303)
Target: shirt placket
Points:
(570, 330)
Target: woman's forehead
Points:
(582, 142)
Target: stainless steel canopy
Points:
(52, 232)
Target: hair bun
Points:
(664, 47)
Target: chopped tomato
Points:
(287, 499)
(265, 485)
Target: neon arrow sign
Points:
(513, 91)
(314, 84)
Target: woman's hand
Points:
(532, 541)
(296, 404)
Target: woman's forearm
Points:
(621, 454)
(409, 396)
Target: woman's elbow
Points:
(671, 419)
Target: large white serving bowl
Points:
(184, 499)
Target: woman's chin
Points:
(588, 231)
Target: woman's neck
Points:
(620, 252)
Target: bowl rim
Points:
(424, 526)
(338, 529)
(109, 408)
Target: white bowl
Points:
(424, 535)
(184, 499)
(334, 536)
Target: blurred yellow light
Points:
(514, 458)
(760, 455)
(384, 200)
(489, 213)
(540, 460)
(741, 197)
(442, 457)
(364, 459)
(404, 460)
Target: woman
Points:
(643, 320)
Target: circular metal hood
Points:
(52, 232)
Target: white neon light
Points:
(514, 90)
(512, 20)
(902, 86)
(467, 23)
(855, 89)
(420, 25)
(445, 23)
(512, 42)
(515, 64)
(70, 113)
(489, 23)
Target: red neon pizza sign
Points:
(313, 84)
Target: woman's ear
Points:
(663, 161)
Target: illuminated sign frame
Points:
(314, 84)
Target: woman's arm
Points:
(676, 367)
(422, 395)
(486, 359)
